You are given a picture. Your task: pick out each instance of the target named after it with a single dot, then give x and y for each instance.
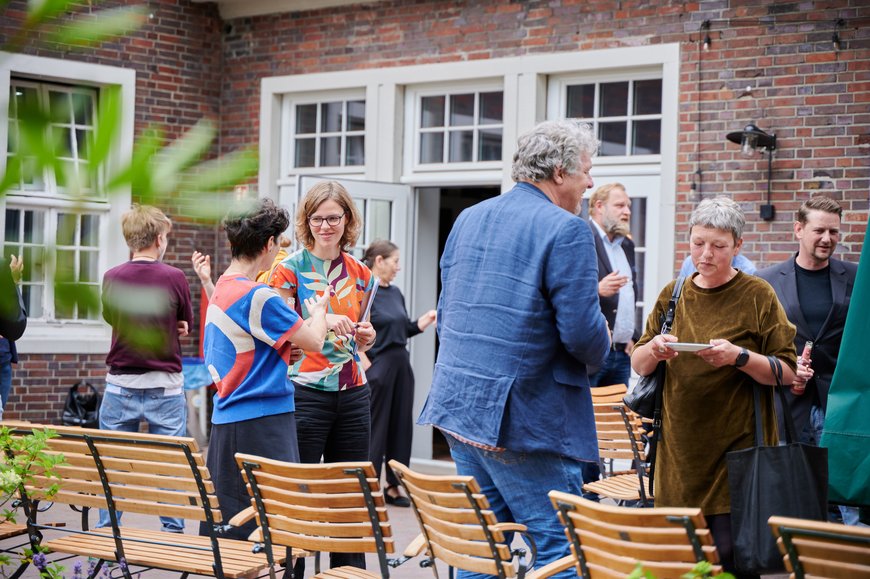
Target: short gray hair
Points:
(719, 213)
(550, 145)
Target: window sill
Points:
(65, 338)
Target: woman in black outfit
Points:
(388, 367)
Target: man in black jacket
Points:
(13, 321)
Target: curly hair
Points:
(328, 191)
(551, 145)
(249, 231)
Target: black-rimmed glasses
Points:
(331, 220)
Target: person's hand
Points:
(629, 346)
(183, 328)
(365, 334)
(610, 284)
(364, 361)
(202, 266)
(723, 353)
(317, 305)
(16, 265)
(802, 375)
(426, 320)
(659, 351)
(340, 324)
(296, 354)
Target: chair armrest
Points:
(415, 547)
(556, 566)
(242, 517)
(509, 527)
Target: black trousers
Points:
(270, 437)
(336, 427)
(392, 382)
(720, 528)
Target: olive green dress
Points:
(708, 411)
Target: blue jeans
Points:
(616, 370)
(5, 384)
(516, 485)
(165, 415)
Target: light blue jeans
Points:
(5, 384)
(165, 415)
(516, 485)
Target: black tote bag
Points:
(789, 480)
(82, 407)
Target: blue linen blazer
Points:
(518, 322)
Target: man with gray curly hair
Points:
(518, 323)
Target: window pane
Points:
(330, 117)
(614, 99)
(34, 227)
(461, 146)
(378, 218)
(356, 115)
(66, 230)
(489, 144)
(581, 101)
(13, 216)
(90, 231)
(355, 154)
(491, 108)
(432, 111)
(330, 152)
(432, 147)
(461, 110)
(647, 137)
(638, 222)
(34, 264)
(65, 266)
(32, 295)
(305, 152)
(306, 119)
(62, 138)
(83, 107)
(82, 143)
(60, 109)
(88, 266)
(648, 97)
(88, 309)
(612, 136)
(64, 301)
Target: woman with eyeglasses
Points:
(332, 394)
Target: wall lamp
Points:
(751, 139)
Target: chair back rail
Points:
(822, 549)
(457, 524)
(335, 507)
(608, 540)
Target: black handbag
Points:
(789, 480)
(82, 407)
(642, 398)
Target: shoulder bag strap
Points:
(790, 431)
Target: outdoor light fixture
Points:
(705, 26)
(835, 38)
(751, 139)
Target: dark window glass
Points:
(306, 119)
(612, 136)
(491, 108)
(461, 110)
(305, 152)
(581, 101)
(330, 117)
(356, 116)
(90, 230)
(647, 137)
(432, 112)
(648, 97)
(12, 217)
(59, 107)
(330, 152)
(614, 99)
(432, 148)
(489, 145)
(461, 146)
(355, 154)
(83, 107)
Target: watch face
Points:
(742, 358)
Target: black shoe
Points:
(398, 501)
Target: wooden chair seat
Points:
(8, 529)
(182, 555)
(822, 549)
(621, 487)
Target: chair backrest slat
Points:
(822, 549)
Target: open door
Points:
(385, 211)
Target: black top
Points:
(390, 320)
(814, 295)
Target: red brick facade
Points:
(769, 62)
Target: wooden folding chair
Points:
(609, 541)
(620, 437)
(334, 507)
(823, 550)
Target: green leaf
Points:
(104, 138)
(39, 11)
(137, 174)
(95, 28)
(180, 155)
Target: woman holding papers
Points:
(332, 394)
(388, 367)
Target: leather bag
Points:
(82, 407)
(789, 480)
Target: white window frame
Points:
(413, 105)
(74, 336)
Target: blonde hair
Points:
(142, 224)
(603, 194)
(317, 195)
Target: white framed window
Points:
(61, 220)
(325, 131)
(625, 111)
(456, 127)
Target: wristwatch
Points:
(742, 358)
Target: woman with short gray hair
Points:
(740, 320)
